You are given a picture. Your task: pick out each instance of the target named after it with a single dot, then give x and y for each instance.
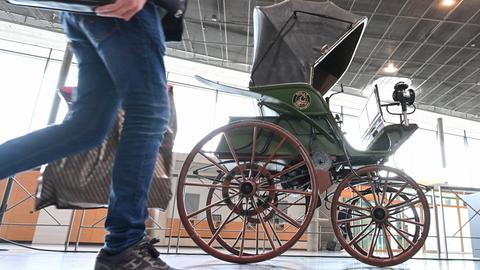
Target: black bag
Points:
(173, 22)
(82, 181)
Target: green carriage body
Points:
(315, 126)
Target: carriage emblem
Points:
(301, 100)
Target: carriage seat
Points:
(391, 137)
(377, 135)
(381, 143)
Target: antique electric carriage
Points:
(261, 179)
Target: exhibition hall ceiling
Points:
(434, 43)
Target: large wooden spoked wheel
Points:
(381, 218)
(256, 188)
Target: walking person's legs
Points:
(119, 62)
(132, 52)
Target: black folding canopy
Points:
(303, 41)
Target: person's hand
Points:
(123, 9)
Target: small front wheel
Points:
(380, 215)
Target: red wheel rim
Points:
(251, 187)
(391, 221)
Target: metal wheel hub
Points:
(233, 183)
(379, 214)
(248, 188)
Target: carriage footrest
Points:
(391, 137)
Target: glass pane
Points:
(21, 79)
(195, 116)
(424, 165)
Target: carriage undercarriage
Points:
(266, 194)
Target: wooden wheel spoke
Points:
(213, 187)
(353, 207)
(237, 239)
(359, 237)
(372, 187)
(398, 211)
(240, 235)
(358, 225)
(274, 233)
(209, 178)
(390, 197)
(223, 169)
(408, 221)
(280, 213)
(400, 233)
(363, 236)
(233, 219)
(396, 194)
(394, 238)
(385, 185)
(216, 195)
(291, 204)
(217, 232)
(357, 213)
(287, 170)
(244, 231)
(403, 204)
(257, 232)
(286, 196)
(241, 232)
(270, 158)
(360, 195)
(342, 221)
(290, 225)
(198, 222)
(374, 242)
(210, 206)
(294, 203)
(387, 241)
(407, 233)
(291, 191)
(234, 155)
(210, 186)
(265, 231)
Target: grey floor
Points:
(14, 258)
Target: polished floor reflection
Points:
(14, 258)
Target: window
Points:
(192, 202)
(27, 90)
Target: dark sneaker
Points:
(142, 256)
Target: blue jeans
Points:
(120, 63)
